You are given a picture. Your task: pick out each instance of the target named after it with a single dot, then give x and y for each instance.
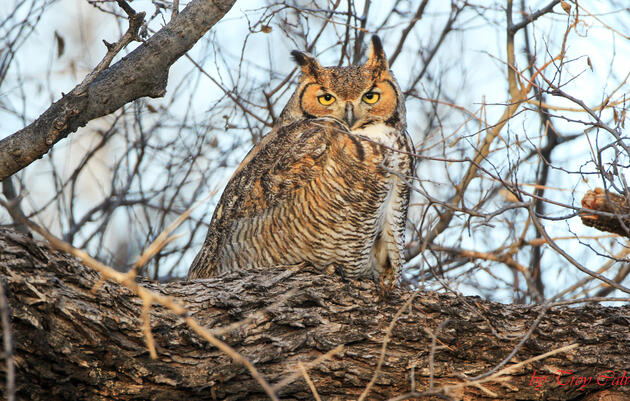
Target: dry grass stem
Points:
(309, 365)
(311, 385)
(163, 239)
(388, 334)
(508, 370)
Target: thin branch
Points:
(8, 190)
(403, 36)
(518, 346)
(498, 376)
(135, 22)
(568, 257)
(513, 28)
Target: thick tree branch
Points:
(143, 72)
(77, 335)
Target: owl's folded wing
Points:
(270, 176)
(284, 161)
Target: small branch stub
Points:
(616, 216)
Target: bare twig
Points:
(518, 346)
(405, 32)
(311, 385)
(572, 260)
(500, 375)
(135, 22)
(291, 378)
(8, 190)
(533, 17)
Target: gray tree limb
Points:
(143, 72)
(76, 337)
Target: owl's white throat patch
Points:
(380, 133)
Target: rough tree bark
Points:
(76, 337)
(141, 73)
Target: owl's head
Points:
(357, 96)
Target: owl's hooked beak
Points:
(349, 116)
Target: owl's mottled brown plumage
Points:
(326, 185)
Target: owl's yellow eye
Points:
(371, 97)
(326, 99)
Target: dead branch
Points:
(71, 338)
(144, 72)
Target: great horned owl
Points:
(327, 185)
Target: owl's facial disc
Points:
(356, 96)
(357, 108)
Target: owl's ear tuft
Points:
(377, 60)
(308, 63)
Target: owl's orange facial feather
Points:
(374, 102)
(387, 102)
(311, 103)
